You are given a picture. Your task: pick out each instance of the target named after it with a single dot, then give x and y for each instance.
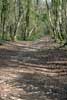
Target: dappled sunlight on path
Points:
(33, 71)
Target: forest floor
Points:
(33, 70)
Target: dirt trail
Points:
(33, 70)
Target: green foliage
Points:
(22, 19)
(35, 36)
(57, 20)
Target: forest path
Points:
(33, 70)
